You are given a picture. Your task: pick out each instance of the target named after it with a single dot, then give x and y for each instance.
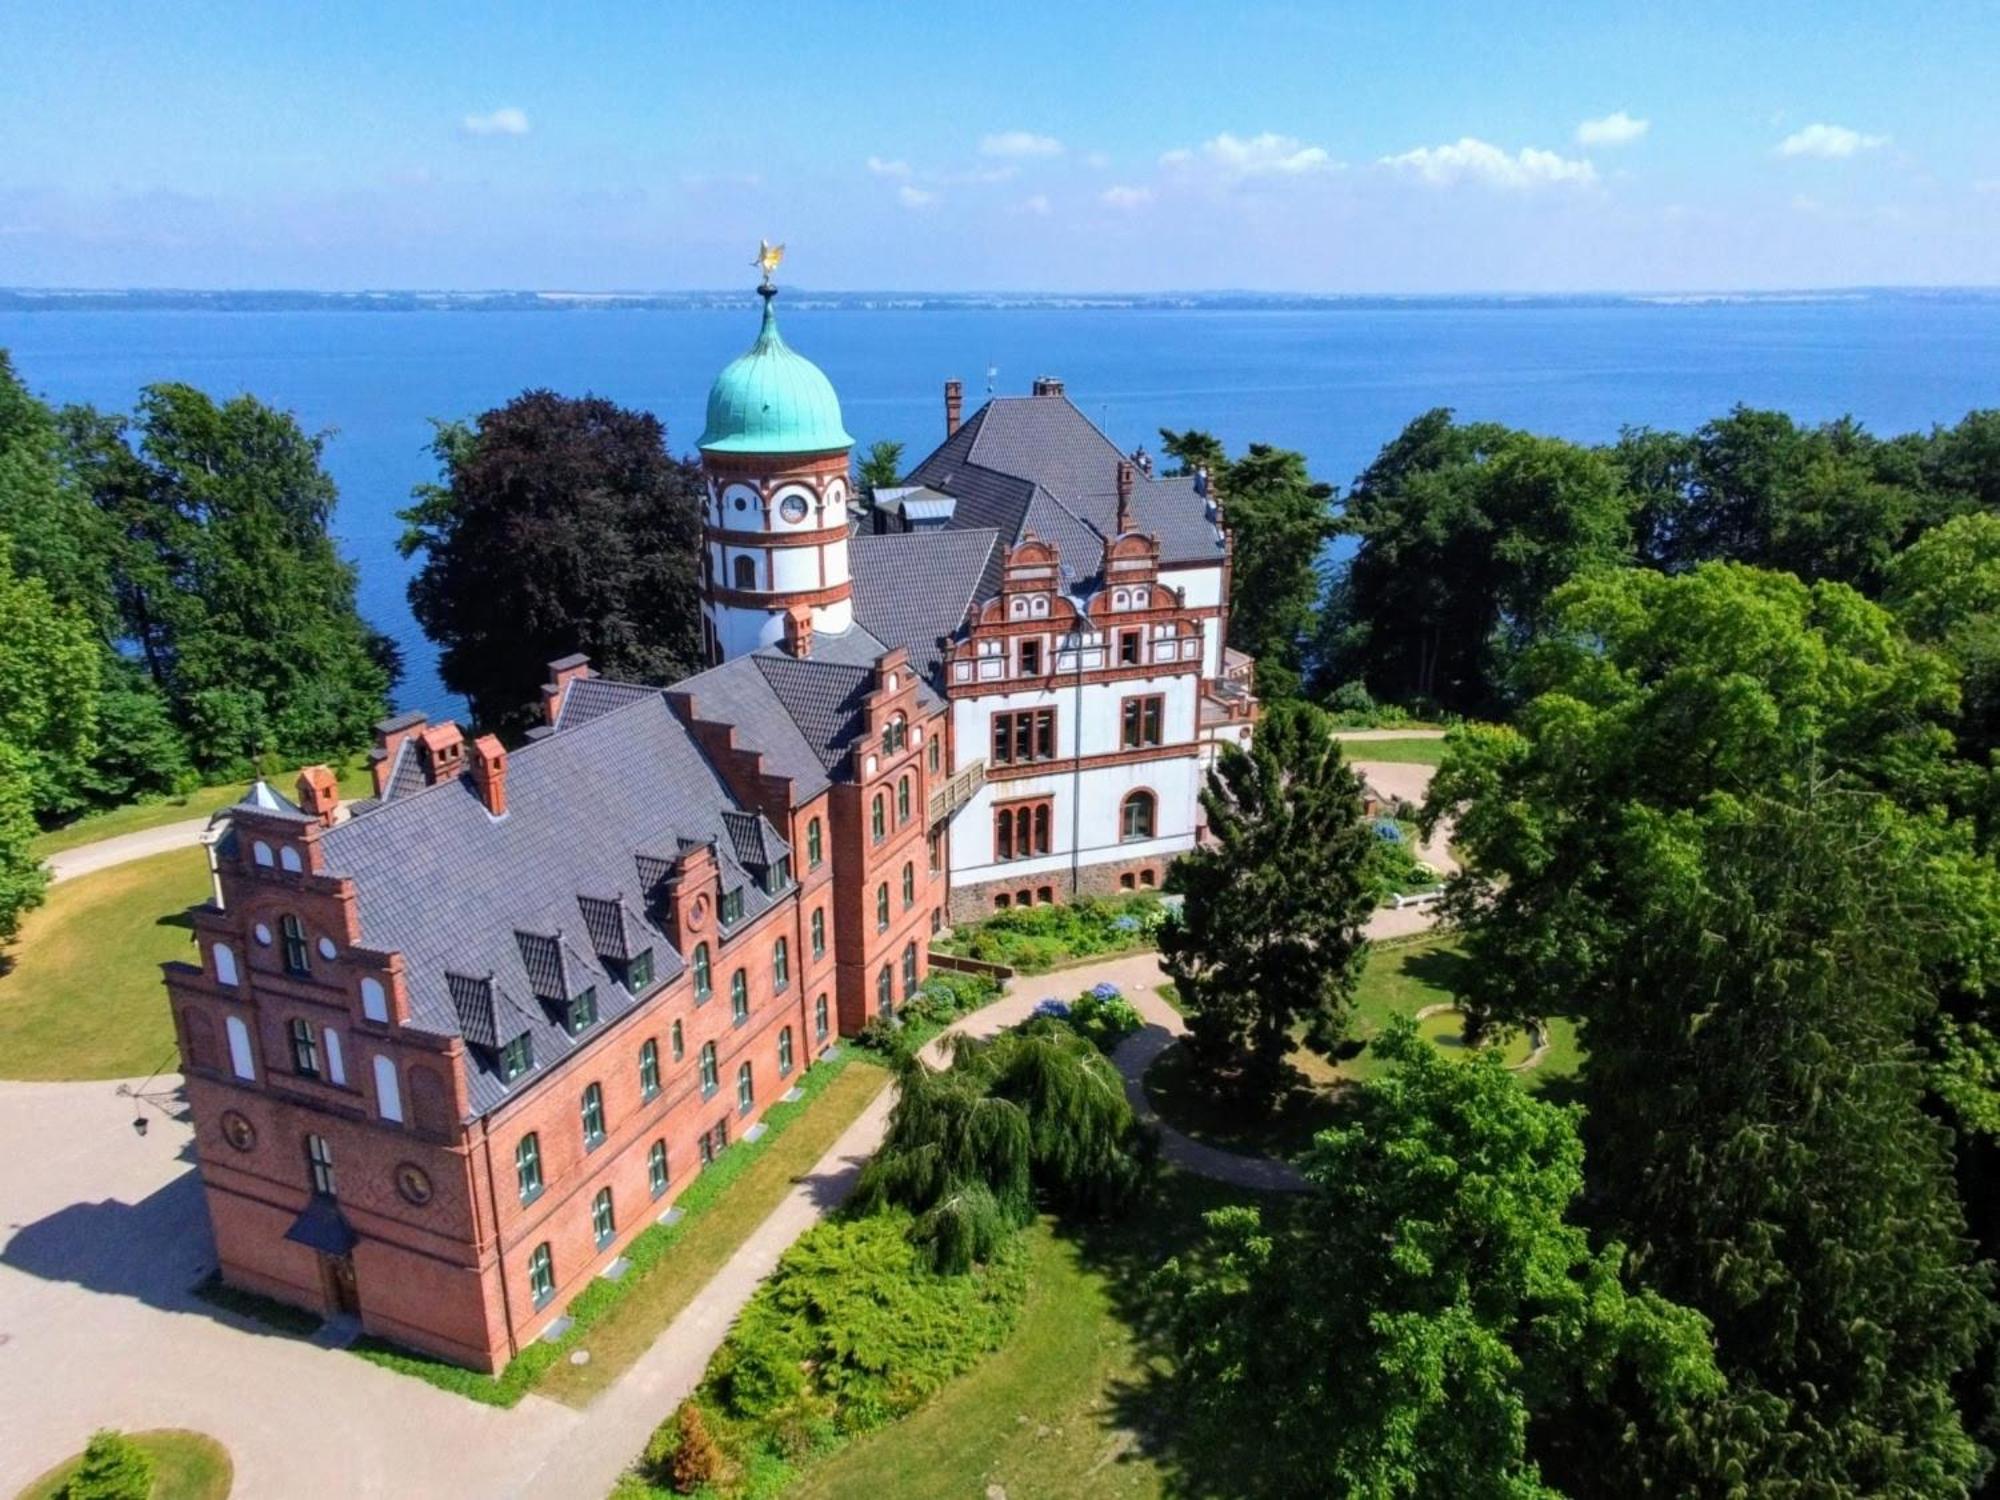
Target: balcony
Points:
(955, 793)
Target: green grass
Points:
(1404, 752)
(617, 1321)
(1037, 939)
(186, 1466)
(135, 816)
(80, 988)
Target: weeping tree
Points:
(1033, 1117)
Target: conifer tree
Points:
(1271, 934)
(113, 1468)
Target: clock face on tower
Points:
(793, 508)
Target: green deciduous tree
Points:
(1945, 589)
(1431, 1322)
(880, 468)
(1465, 531)
(114, 1468)
(1270, 937)
(560, 525)
(49, 663)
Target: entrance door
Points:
(340, 1284)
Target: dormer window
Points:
(639, 971)
(732, 907)
(517, 1057)
(779, 875)
(582, 1010)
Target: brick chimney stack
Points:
(444, 752)
(1124, 495)
(319, 794)
(799, 631)
(1047, 385)
(954, 403)
(489, 774)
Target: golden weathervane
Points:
(768, 257)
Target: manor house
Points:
(448, 1049)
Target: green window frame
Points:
(909, 970)
(319, 1160)
(885, 992)
(732, 907)
(679, 1042)
(746, 1090)
(709, 1081)
(639, 972)
(583, 1010)
(820, 1018)
(528, 1167)
(814, 849)
(878, 818)
(909, 884)
(739, 996)
(785, 1053)
(781, 965)
(542, 1274)
(603, 1221)
(656, 1167)
(294, 934)
(517, 1057)
(305, 1049)
(903, 800)
(819, 932)
(649, 1068)
(882, 907)
(704, 976)
(593, 1116)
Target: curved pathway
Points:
(87, 859)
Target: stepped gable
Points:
(475, 903)
(914, 588)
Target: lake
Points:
(1335, 381)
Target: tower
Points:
(775, 459)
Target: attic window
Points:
(639, 972)
(732, 906)
(583, 1010)
(517, 1057)
(779, 875)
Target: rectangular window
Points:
(1024, 736)
(517, 1057)
(583, 1010)
(656, 1168)
(1021, 829)
(319, 1156)
(528, 1167)
(1141, 721)
(541, 1275)
(649, 1068)
(639, 973)
(732, 906)
(1031, 658)
(1128, 648)
(593, 1117)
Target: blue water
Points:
(1334, 382)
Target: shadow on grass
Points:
(176, 919)
(1447, 968)
(1282, 1129)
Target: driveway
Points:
(125, 847)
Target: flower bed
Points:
(1035, 939)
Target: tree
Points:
(1270, 936)
(49, 660)
(114, 1468)
(1432, 1323)
(22, 879)
(57, 535)
(881, 468)
(1465, 532)
(1945, 589)
(695, 1460)
(1279, 520)
(1194, 450)
(560, 525)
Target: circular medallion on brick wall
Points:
(698, 913)
(414, 1183)
(238, 1131)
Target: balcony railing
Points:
(955, 793)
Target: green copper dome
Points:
(772, 400)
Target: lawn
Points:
(135, 816)
(1404, 752)
(186, 1466)
(80, 988)
(1064, 1408)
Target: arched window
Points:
(649, 1068)
(739, 996)
(746, 1094)
(878, 821)
(934, 755)
(814, 852)
(592, 1112)
(680, 1042)
(785, 1053)
(745, 568)
(388, 1095)
(909, 885)
(1135, 818)
(294, 934)
(708, 1079)
(603, 1225)
(909, 970)
(336, 1065)
(288, 857)
(819, 932)
(261, 852)
(319, 1161)
(541, 1274)
(240, 1062)
(225, 963)
(903, 800)
(528, 1167)
(305, 1049)
(885, 992)
(656, 1167)
(704, 981)
(781, 965)
(820, 1018)
(882, 906)
(374, 1000)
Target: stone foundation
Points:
(1120, 877)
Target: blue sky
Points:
(1018, 145)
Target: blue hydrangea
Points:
(1387, 831)
(1054, 1008)
(1105, 991)
(1127, 924)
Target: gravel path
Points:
(86, 859)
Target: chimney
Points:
(389, 736)
(1124, 496)
(565, 670)
(1048, 385)
(799, 631)
(954, 403)
(444, 752)
(1144, 460)
(489, 774)
(319, 794)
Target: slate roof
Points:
(913, 589)
(595, 812)
(587, 698)
(1037, 463)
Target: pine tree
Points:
(114, 1468)
(1271, 935)
(696, 1458)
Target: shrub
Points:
(695, 1459)
(1054, 1009)
(946, 995)
(1035, 938)
(114, 1468)
(1104, 1017)
(881, 1034)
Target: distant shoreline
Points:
(62, 299)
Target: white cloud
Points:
(1830, 141)
(1019, 143)
(977, 174)
(1614, 129)
(1097, 160)
(506, 120)
(1472, 160)
(883, 168)
(1038, 205)
(1126, 197)
(1266, 155)
(915, 197)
